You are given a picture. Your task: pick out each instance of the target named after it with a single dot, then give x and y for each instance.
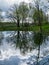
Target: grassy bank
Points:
(13, 27)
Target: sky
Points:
(5, 4)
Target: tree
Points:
(14, 14)
(46, 18)
(38, 37)
(19, 12)
(24, 10)
(1, 18)
(36, 17)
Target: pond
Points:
(18, 48)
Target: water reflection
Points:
(23, 40)
(1, 37)
(21, 44)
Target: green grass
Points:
(13, 27)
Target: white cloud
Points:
(16, 1)
(10, 2)
(5, 4)
(3, 13)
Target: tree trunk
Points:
(38, 55)
(39, 20)
(18, 37)
(18, 22)
(22, 22)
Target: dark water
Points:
(17, 48)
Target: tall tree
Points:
(14, 14)
(38, 38)
(24, 10)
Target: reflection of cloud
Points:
(23, 63)
(9, 52)
(13, 60)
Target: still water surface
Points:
(16, 46)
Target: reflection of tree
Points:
(27, 41)
(22, 39)
(38, 39)
(1, 37)
(23, 42)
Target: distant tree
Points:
(38, 14)
(31, 11)
(46, 18)
(38, 37)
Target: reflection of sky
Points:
(8, 49)
(10, 53)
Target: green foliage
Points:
(38, 14)
(23, 8)
(16, 12)
(38, 38)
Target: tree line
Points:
(25, 13)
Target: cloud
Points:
(5, 4)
